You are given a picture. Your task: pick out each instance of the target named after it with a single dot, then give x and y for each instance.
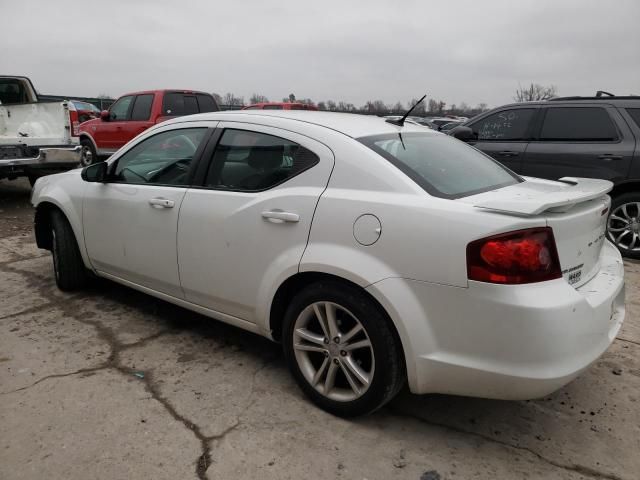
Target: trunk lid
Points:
(575, 208)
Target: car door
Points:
(580, 141)
(139, 120)
(130, 222)
(504, 134)
(245, 229)
(107, 132)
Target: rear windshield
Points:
(12, 91)
(443, 166)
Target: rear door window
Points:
(441, 165)
(178, 104)
(272, 107)
(206, 103)
(254, 161)
(142, 107)
(578, 124)
(507, 125)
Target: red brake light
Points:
(523, 256)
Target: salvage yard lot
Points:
(111, 383)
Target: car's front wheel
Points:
(342, 350)
(68, 267)
(623, 225)
(88, 154)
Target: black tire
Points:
(632, 201)
(68, 267)
(89, 154)
(389, 374)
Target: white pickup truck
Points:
(36, 138)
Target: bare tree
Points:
(306, 101)
(331, 105)
(420, 109)
(432, 105)
(292, 97)
(346, 107)
(535, 92)
(483, 107)
(257, 98)
(398, 108)
(322, 106)
(231, 100)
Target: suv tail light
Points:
(522, 256)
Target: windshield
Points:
(442, 165)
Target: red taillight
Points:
(523, 256)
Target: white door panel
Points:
(232, 246)
(129, 236)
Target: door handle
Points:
(161, 202)
(508, 153)
(607, 157)
(277, 216)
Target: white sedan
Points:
(377, 254)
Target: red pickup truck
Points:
(132, 114)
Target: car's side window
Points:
(163, 159)
(142, 107)
(507, 125)
(250, 161)
(120, 109)
(578, 124)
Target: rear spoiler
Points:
(547, 196)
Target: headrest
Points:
(266, 157)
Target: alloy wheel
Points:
(623, 226)
(86, 156)
(333, 351)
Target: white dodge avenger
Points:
(376, 253)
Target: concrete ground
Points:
(113, 384)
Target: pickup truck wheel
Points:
(623, 224)
(68, 266)
(342, 350)
(88, 154)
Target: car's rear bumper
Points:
(505, 342)
(49, 160)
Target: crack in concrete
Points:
(113, 361)
(29, 310)
(627, 340)
(576, 468)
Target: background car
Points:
(132, 114)
(595, 137)
(321, 230)
(86, 111)
(280, 106)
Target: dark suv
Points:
(596, 137)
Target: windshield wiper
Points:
(400, 122)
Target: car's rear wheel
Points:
(342, 350)
(88, 154)
(68, 267)
(623, 225)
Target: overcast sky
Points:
(471, 51)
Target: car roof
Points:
(350, 124)
(165, 90)
(628, 101)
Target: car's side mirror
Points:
(95, 173)
(105, 116)
(463, 133)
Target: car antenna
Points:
(400, 122)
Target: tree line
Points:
(373, 107)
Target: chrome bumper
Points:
(48, 157)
